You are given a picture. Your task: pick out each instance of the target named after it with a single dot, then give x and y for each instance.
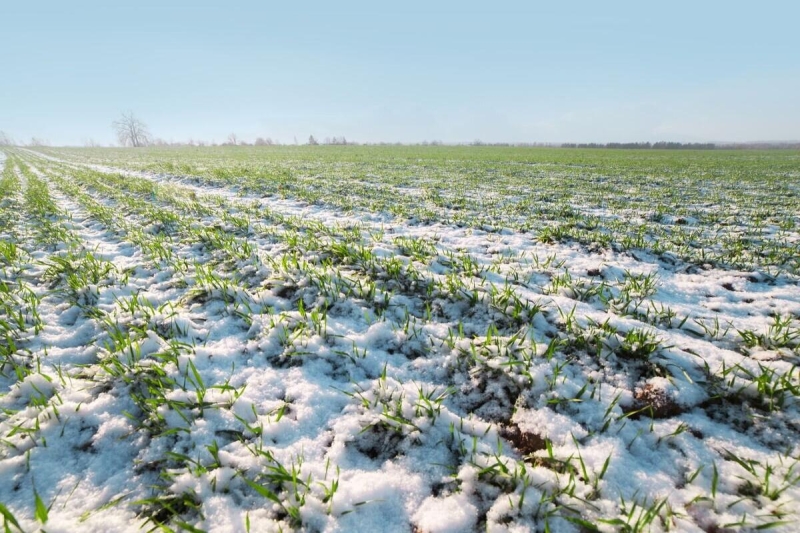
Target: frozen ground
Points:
(178, 353)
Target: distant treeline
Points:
(761, 146)
(662, 145)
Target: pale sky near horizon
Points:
(411, 71)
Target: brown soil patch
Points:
(524, 443)
(658, 404)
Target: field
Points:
(424, 339)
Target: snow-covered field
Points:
(185, 350)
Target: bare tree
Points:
(5, 139)
(233, 140)
(36, 141)
(312, 141)
(131, 131)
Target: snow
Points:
(450, 514)
(389, 403)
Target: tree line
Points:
(661, 145)
(133, 132)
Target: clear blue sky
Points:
(403, 71)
